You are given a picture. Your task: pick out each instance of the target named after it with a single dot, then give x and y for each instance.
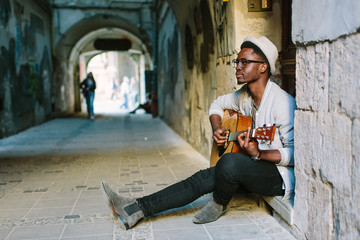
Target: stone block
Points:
(305, 62)
(303, 150)
(313, 207)
(323, 147)
(312, 73)
(344, 76)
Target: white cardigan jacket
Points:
(276, 107)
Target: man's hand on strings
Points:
(220, 136)
(248, 144)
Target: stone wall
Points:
(186, 65)
(327, 139)
(25, 65)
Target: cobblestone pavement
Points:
(50, 179)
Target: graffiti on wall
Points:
(7, 73)
(5, 12)
(28, 42)
(25, 71)
(37, 23)
(23, 88)
(26, 29)
(33, 82)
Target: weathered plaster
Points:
(337, 18)
(257, 24)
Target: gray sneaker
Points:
(210, 212)
(125, 209)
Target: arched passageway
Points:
(80, 43)
(124, 68)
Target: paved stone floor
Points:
(50, 183)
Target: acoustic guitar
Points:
(236, 124)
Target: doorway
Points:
(117, 82)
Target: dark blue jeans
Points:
(233, 171)
(90, 103)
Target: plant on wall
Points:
(33, 82)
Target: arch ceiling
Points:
(80, 37)
(86, 43)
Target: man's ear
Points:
(263, 67)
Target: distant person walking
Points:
(134, 92)
(88, 87)
(114, 90)
(124, 92)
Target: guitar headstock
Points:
(265, 133)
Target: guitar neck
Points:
(233, 135)
(262, 133)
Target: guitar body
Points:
(233, 122)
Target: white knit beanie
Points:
(267, 47)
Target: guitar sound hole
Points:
(221, 151)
